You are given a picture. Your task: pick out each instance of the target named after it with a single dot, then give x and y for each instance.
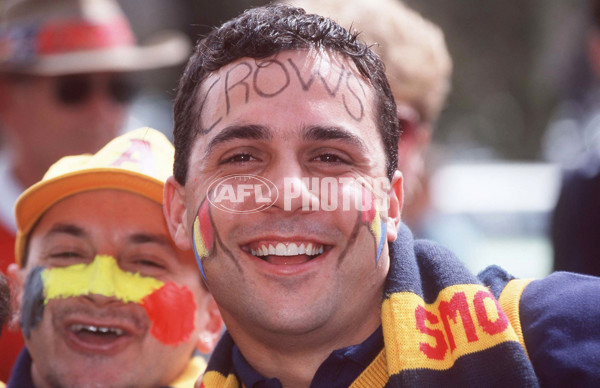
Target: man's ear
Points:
(16, 278)
(176, 213)
(396, 199)
(213, 325)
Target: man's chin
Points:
(78, 376)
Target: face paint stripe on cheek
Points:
(203, 235)
(101, 277)
(172, 310)
(372, 218)
(32, 307)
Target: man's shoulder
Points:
(559, 320)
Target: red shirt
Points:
(11, 341)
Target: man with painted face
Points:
(285, 184)
(107, 300)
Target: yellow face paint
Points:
(203, 235)
(102, 277)
(372, 218)
(201, 249)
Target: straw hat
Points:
(139, 162)
(57, 37)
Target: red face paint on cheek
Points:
(368, 206)
(172, 311)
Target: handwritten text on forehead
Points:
(250, 78)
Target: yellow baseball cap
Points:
(139, 161)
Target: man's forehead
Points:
(88, 209)
(294, 77)
(324, 61)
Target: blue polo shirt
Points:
(340, 369)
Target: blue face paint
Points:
(382, 240)
(32, 308)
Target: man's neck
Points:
(294, 359)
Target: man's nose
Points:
(295, 187)
(102, 280)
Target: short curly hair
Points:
(263, 32)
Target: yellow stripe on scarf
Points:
(464, 319)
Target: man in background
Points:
(105, 297)
(575, 228)
(418, 67)
(66, 70)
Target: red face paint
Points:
(368, 206)
(171, 310)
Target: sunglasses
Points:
(78, 89)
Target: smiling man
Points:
(107, 299)
(285, 185)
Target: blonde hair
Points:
(413, 49)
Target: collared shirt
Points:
(340, 369)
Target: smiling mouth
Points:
(97, 334)
(285, 253)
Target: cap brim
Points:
(166, 49)
(36, 200)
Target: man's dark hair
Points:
(4, 301)
(263, 32)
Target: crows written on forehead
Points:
(252, 78)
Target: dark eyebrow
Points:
(70, 229)
(254, 132)
(141, 238)
(315, 133)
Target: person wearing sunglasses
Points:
(67, 73)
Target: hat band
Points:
(76, 36)
(25, 42)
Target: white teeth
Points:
(280, 250)
(291, 249)
(309, 249)
(301, 249)
(97, 329)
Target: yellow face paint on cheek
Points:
(203, 235)
(372, 218)
(171, 308)
(102, 277)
